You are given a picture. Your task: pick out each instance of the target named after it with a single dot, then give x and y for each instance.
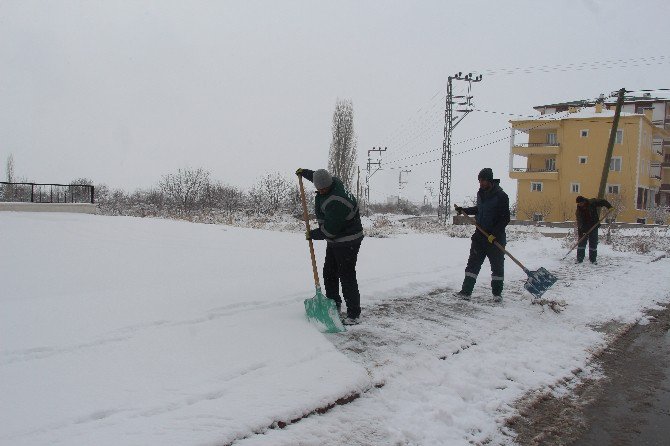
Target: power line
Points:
(503, 113)
(470, 139)
(486, 144)
(454, 144)
(578, 66)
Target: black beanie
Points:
(580, 199)
(485, 174)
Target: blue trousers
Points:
(592, 240)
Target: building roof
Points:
(582, 113)
(576, 103)
(609, 101)
(629, 99)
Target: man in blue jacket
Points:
(492, 214)
(340, 225)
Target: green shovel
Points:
(320, 310)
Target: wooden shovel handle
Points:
(498, 245)
(305, 215)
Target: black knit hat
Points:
(485, 174)
(580, 199)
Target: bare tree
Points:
(618, 202)
(342, 156)
(186, 187)
(10, 168)
(658, 215)
(221, 196)
(271, 194)
(8, 191)
(536, 210)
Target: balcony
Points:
(655, 171)
(536, 148)
(522, 173)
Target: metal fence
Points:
(46, 193)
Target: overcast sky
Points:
(123, 92)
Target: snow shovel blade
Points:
(539, 281)
(322, 312)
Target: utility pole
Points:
(369, 173)
(450, 123)
(358, 184)
(401, 183)
(610, 145)
(428, 191)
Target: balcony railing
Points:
(537, 144)
(533, 170)
(46, 193)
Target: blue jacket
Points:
(491, 212)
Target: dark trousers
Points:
(340, 266)
(592, 240)
(480, 249)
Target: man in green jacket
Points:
(340, 225)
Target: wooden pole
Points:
(610, 146)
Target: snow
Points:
(129, 331)
(581, 113)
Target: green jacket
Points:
(337, 214)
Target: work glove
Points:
(490, 238)
(308, 235)
(459, 209)
(299, 171)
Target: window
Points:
(583, 159)
(613, 189)
(642, 196)
(535, 187)
(538, 217)
(619, 137)
(615, 164)
(550, 164)
(552, 139)
(584, 133)
(574, 188)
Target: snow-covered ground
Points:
(128, 331)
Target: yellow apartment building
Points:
(556, 157)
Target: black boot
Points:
(466, 289)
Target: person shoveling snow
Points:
(340, 225)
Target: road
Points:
(630, 405)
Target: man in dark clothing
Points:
(340, 225)
(492, 214)
(587, 216)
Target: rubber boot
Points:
(496, 289)
(468, 286)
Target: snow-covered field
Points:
(128, 331)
